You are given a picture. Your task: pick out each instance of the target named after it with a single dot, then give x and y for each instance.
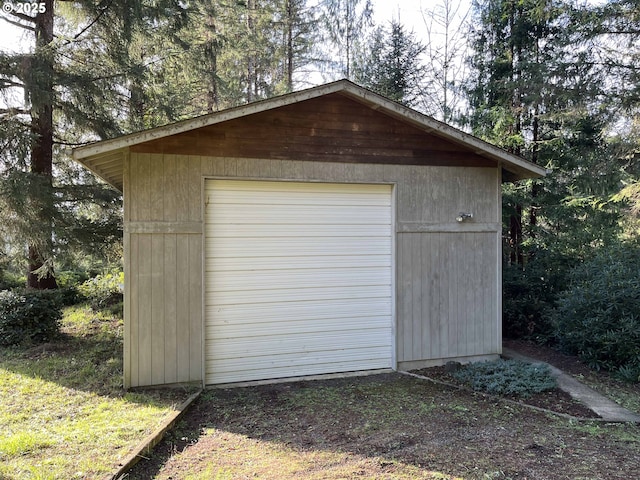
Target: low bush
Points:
(29, 316)
(104, 292)
(598, 317)
(506, 377)
(9, 281)
(68, 282)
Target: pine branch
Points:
(69, 144)
(13, 111)
(93, 22)
(619, 32)
(612, 64)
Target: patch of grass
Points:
(63, 412)
(621, 432)
(210, 472)
(241, 456)
(625, 394)
(364, 397)
(22, 443)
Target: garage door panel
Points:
(241, 191)
(330, 344)
(295, 327)
(218, 265)
(240, 297)
(369, 355)
(260, 213)
(242, 315)
(305, 364)
(289, 230)
(307, 246)
(298, 279)
(367, 199)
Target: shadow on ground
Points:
(383, 426)
(89, 363)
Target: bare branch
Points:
(24, 17)
(4, 83)
(18, 24)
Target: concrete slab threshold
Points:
(603, 406)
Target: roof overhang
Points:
(106, 158)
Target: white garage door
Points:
(298, 279)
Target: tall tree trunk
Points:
(42, 148)
(213, 100)
(289, 46)
(535, 142)
(516, 220)
(252, 80)
(348, 38)
(137, 99)
(535, 187)
(515, 237)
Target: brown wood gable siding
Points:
(332, 128)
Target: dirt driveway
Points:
(384, 427)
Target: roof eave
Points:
(108, 166)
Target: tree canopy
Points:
(556, 81)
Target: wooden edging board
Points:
(152, 440)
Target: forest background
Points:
(555, 81)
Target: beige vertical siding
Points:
(163, 258)
(447, 292)
(447, 303)
(448, 295)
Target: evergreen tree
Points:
(241, 52)
(299, 34)
(538, 94)
(611, 34)
(344, 21)
(281, 39)
(33, 121)
(531, 94)
(154, 47)
(389, 63)
(66, 89)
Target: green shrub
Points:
(69, 296)
(506, 377)
(529, 295)
(70, 278)
(10, 280)
(28, 316)
(68, 283)
(104, 292)
(598, 317)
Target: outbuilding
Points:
(325, 231)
